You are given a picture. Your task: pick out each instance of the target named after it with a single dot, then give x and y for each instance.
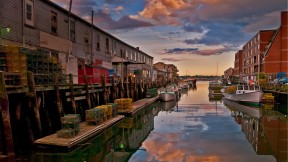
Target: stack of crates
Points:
(13, 66)
(124, 103)
(109, 109)
(105, 110)
(94, 116)
(3, 60)
(114, 109)
(70, 126)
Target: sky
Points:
(200, 37)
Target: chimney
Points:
(284, 18)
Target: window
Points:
(98, 42)
(72, 30)
(107, 45)
(86, 43)
(29, 12)
(53, 22)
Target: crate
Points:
(114, 109)
(71, 118)
(66, 133)
(104, 112)
(109, 109)
(124, 103)
(94, 116)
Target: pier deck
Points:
(86, 132)
(138, 105)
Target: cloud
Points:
(196, 51)
(180, 50)
(218, 33)
(170, 59)
(104, 20)
(119, 8)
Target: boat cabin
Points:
(247, 88)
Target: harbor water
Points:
(196, 128)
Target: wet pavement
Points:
(194, 129)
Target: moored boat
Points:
(244, 93)
(167, 94)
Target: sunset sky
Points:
(194, 35)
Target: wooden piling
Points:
(103, 83)
(127, 87)
(4, 108)
(72, 95)
(113, 90)
(33, 98)
(88, 100)
(58, 101)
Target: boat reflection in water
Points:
(167, 106)
(118, 143)
(264, 128)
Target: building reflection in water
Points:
(265, 128)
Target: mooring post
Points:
(87, 92)
(127, 87)
(136, 88)
(121, 89)
(33, 97)
(103, 83)
(58, 101)
(72, 93)
(4, 108)
(113, 92)
(131, 87)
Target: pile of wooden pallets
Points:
(70, 126)
(124, 103)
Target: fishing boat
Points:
(167, 94)
(244, 93)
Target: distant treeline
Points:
(202, 77)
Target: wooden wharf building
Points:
(52, 63)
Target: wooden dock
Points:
(86, 132)
(138, 105)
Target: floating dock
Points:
(86, 132)
(138, 105)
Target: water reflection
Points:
(263, 127)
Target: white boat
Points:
(167, 94)
(244, 93)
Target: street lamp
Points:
(4, 31)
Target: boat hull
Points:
(167, 96)
(255, 96)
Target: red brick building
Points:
(275, 56)
(238, 64)
(266, 52)
(253, 54)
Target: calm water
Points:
(194, 129)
